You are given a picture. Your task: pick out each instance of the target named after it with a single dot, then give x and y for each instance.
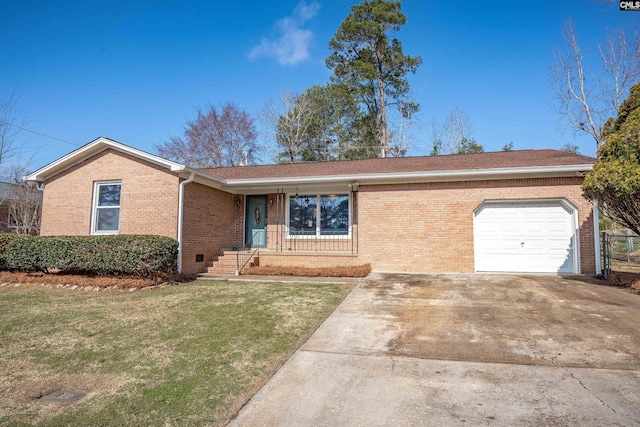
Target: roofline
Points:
(239, 185)
(100, 144)
(419, 176)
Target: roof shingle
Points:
(481, 161)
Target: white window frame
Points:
(14, 226)
(95, 207)
(318, 195)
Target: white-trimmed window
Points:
(318, 215)
(14, 223)
(106, 207)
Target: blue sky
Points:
(134, 71)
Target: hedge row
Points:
(139, 255)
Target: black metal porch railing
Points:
(279, 239)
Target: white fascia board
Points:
(336, 187)
(201, 177)
(412, 177)
(94, 147)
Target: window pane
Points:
(302, 216)
(107, 219)
(13, 222)
(334, 215)
(109, 195)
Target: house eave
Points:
(91, 149)
(266, 184)
(248, 185)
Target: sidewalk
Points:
(281, 279)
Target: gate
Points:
(620, 252)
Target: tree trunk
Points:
(382, 132)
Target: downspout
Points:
(596, 236)
(180, 215)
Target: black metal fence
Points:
(620, 252)
(279, 239)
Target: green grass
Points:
(186, 355)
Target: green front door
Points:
(256, 221)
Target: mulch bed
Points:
(114, 282)
(355, 271)
(626, 280)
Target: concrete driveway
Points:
(467, 349)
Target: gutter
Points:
(398, 177)
(180, 217)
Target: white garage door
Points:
(525, 237)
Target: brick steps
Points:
(230, 261)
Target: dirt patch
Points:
(116, 282)
(626, 280)
(534, 320)
(35, 389)
(354, 271)
(26, 394)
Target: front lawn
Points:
(184, 355)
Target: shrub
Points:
(139, 255)
(23, 254)
(343, 271)
(5, 240)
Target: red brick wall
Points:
(402, 227)
(148, 201)
(212, 220)
(311, 259)
(429, 227)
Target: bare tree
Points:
(587, 96)
(215, 138)
(288, 125)
(11, 124)
(25, 208)
(435, 139)
(454, 136)
(24, 200)
(568, 147)
(405, 128)
(456, 129)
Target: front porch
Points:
(284, 229)
(282, 250)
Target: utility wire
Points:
(46, 136)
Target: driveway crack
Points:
(393, 363)
(602, 402)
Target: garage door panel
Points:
(524, 237)
(529, 228)
(557, 227)
(533, 245)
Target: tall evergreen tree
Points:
(372, 65)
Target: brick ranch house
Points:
(518, 211)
